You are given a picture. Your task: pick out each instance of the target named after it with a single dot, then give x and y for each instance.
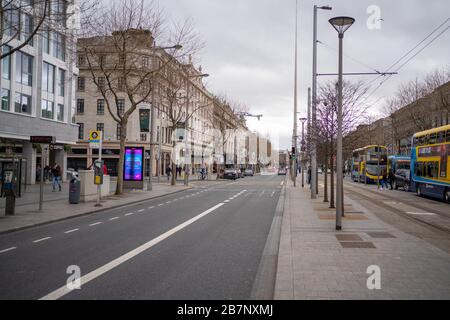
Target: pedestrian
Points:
(179, 170)
(383, 181)
(56, 177)
(47, 170)
(105, 169)
(168, 171)
(391, 178)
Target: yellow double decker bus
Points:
(430, 168)
(369, 163)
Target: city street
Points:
(203, 243)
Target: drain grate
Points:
(348, 237)
(357, 245)
(380, 235)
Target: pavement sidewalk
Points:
(56, 206)
(317, 262)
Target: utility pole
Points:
(294, 135)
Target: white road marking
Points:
(141, 210)
(282, 182)
(73, 230)
(159, 205)
(227, 201)
(422, 213)
(95, 223)
(114, 218)
(273, 192)
(43, 239)
(62, 291)
(8, 249)
(129, 213)
(151, 207)
(168, 201)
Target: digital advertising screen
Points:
(133, 164)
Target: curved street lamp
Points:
(340, 24)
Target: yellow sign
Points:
(94, 136)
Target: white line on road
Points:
(422, 213)
(43, 239)
(73, 230)
(168, 201)
(113, 218)
(129, 213)
(159, 205)
(9, 249)
(141, 210)
(227, 201)
(151, 207)
(95, 223)
(62, 291)
(282, 182)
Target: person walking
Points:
(391, 178)
(309, 175)
(56, 177)
(383, 181)
(168, 171)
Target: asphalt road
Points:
(204, 243)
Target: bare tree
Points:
(22, 20)
(353, 114)
(178, 102)
(123, 59)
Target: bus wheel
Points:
(447, 195)
(418, 190)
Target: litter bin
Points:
(74, 189)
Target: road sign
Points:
(42, 139)
(95, 137)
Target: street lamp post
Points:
(314, 184)
(303, 150)
(186, 162)
(341, 24)
(294, 165)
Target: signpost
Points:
(43, 141)
(95, 141)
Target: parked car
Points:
(249, 172)
(402, 179)
(230, 174)
(281, 171)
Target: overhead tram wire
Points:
(406, 54)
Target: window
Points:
(81, 83)
(24, 68)
(27, 28)
(47, 40)
(6, 63)
(432, 138)
(58, 11)
(80, 106)
(48, 77)
(47, 109)
(59, 46)
(22, 103)
(447, 138)
(101, 82)
(143, 137)
(80, 131)
(100, 126)
(61, 82)
(121, 106)
(100, 106)
(81, 60)
(118, 131)
(60, 112)
(12, 20)
(5, 99)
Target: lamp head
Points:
(341, 24)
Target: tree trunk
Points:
(332, 177)
(123, 139)
(174, 174)
(325, 188)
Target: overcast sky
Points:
(249, 51)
